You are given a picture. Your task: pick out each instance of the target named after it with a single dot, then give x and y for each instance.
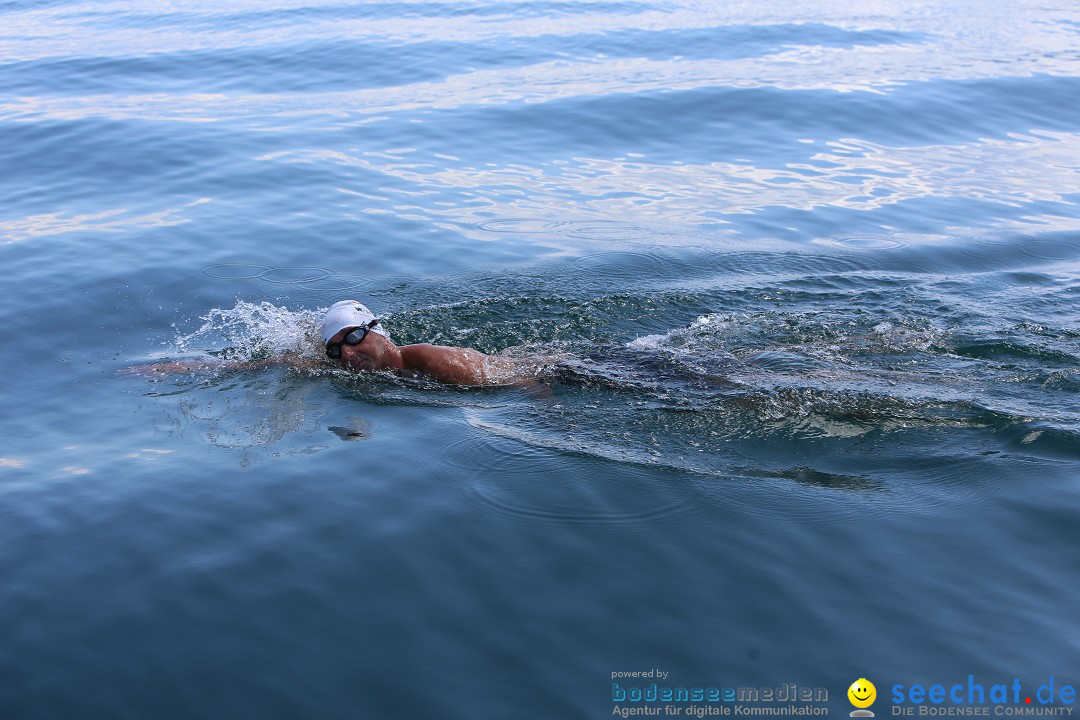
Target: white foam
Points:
(250, 331)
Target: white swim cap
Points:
(347, 313)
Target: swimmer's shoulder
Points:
(456, 365)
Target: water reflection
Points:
(851, 174)
(125, 28)
(35, 226)
(844, 70)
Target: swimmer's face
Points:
(365, 355)
(862, 693)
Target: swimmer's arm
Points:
(454, 365)
(290, 359)
(172, 367)
(178, 367)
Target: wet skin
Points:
(460, 366)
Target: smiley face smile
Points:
(862, 693)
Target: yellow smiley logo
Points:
(862, 693)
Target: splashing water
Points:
(249, 331)
(702, 396)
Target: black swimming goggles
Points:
(355, 337)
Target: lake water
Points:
(813, 268)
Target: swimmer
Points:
(355, 338)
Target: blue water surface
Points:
(805, 278)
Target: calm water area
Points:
(810, 270)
